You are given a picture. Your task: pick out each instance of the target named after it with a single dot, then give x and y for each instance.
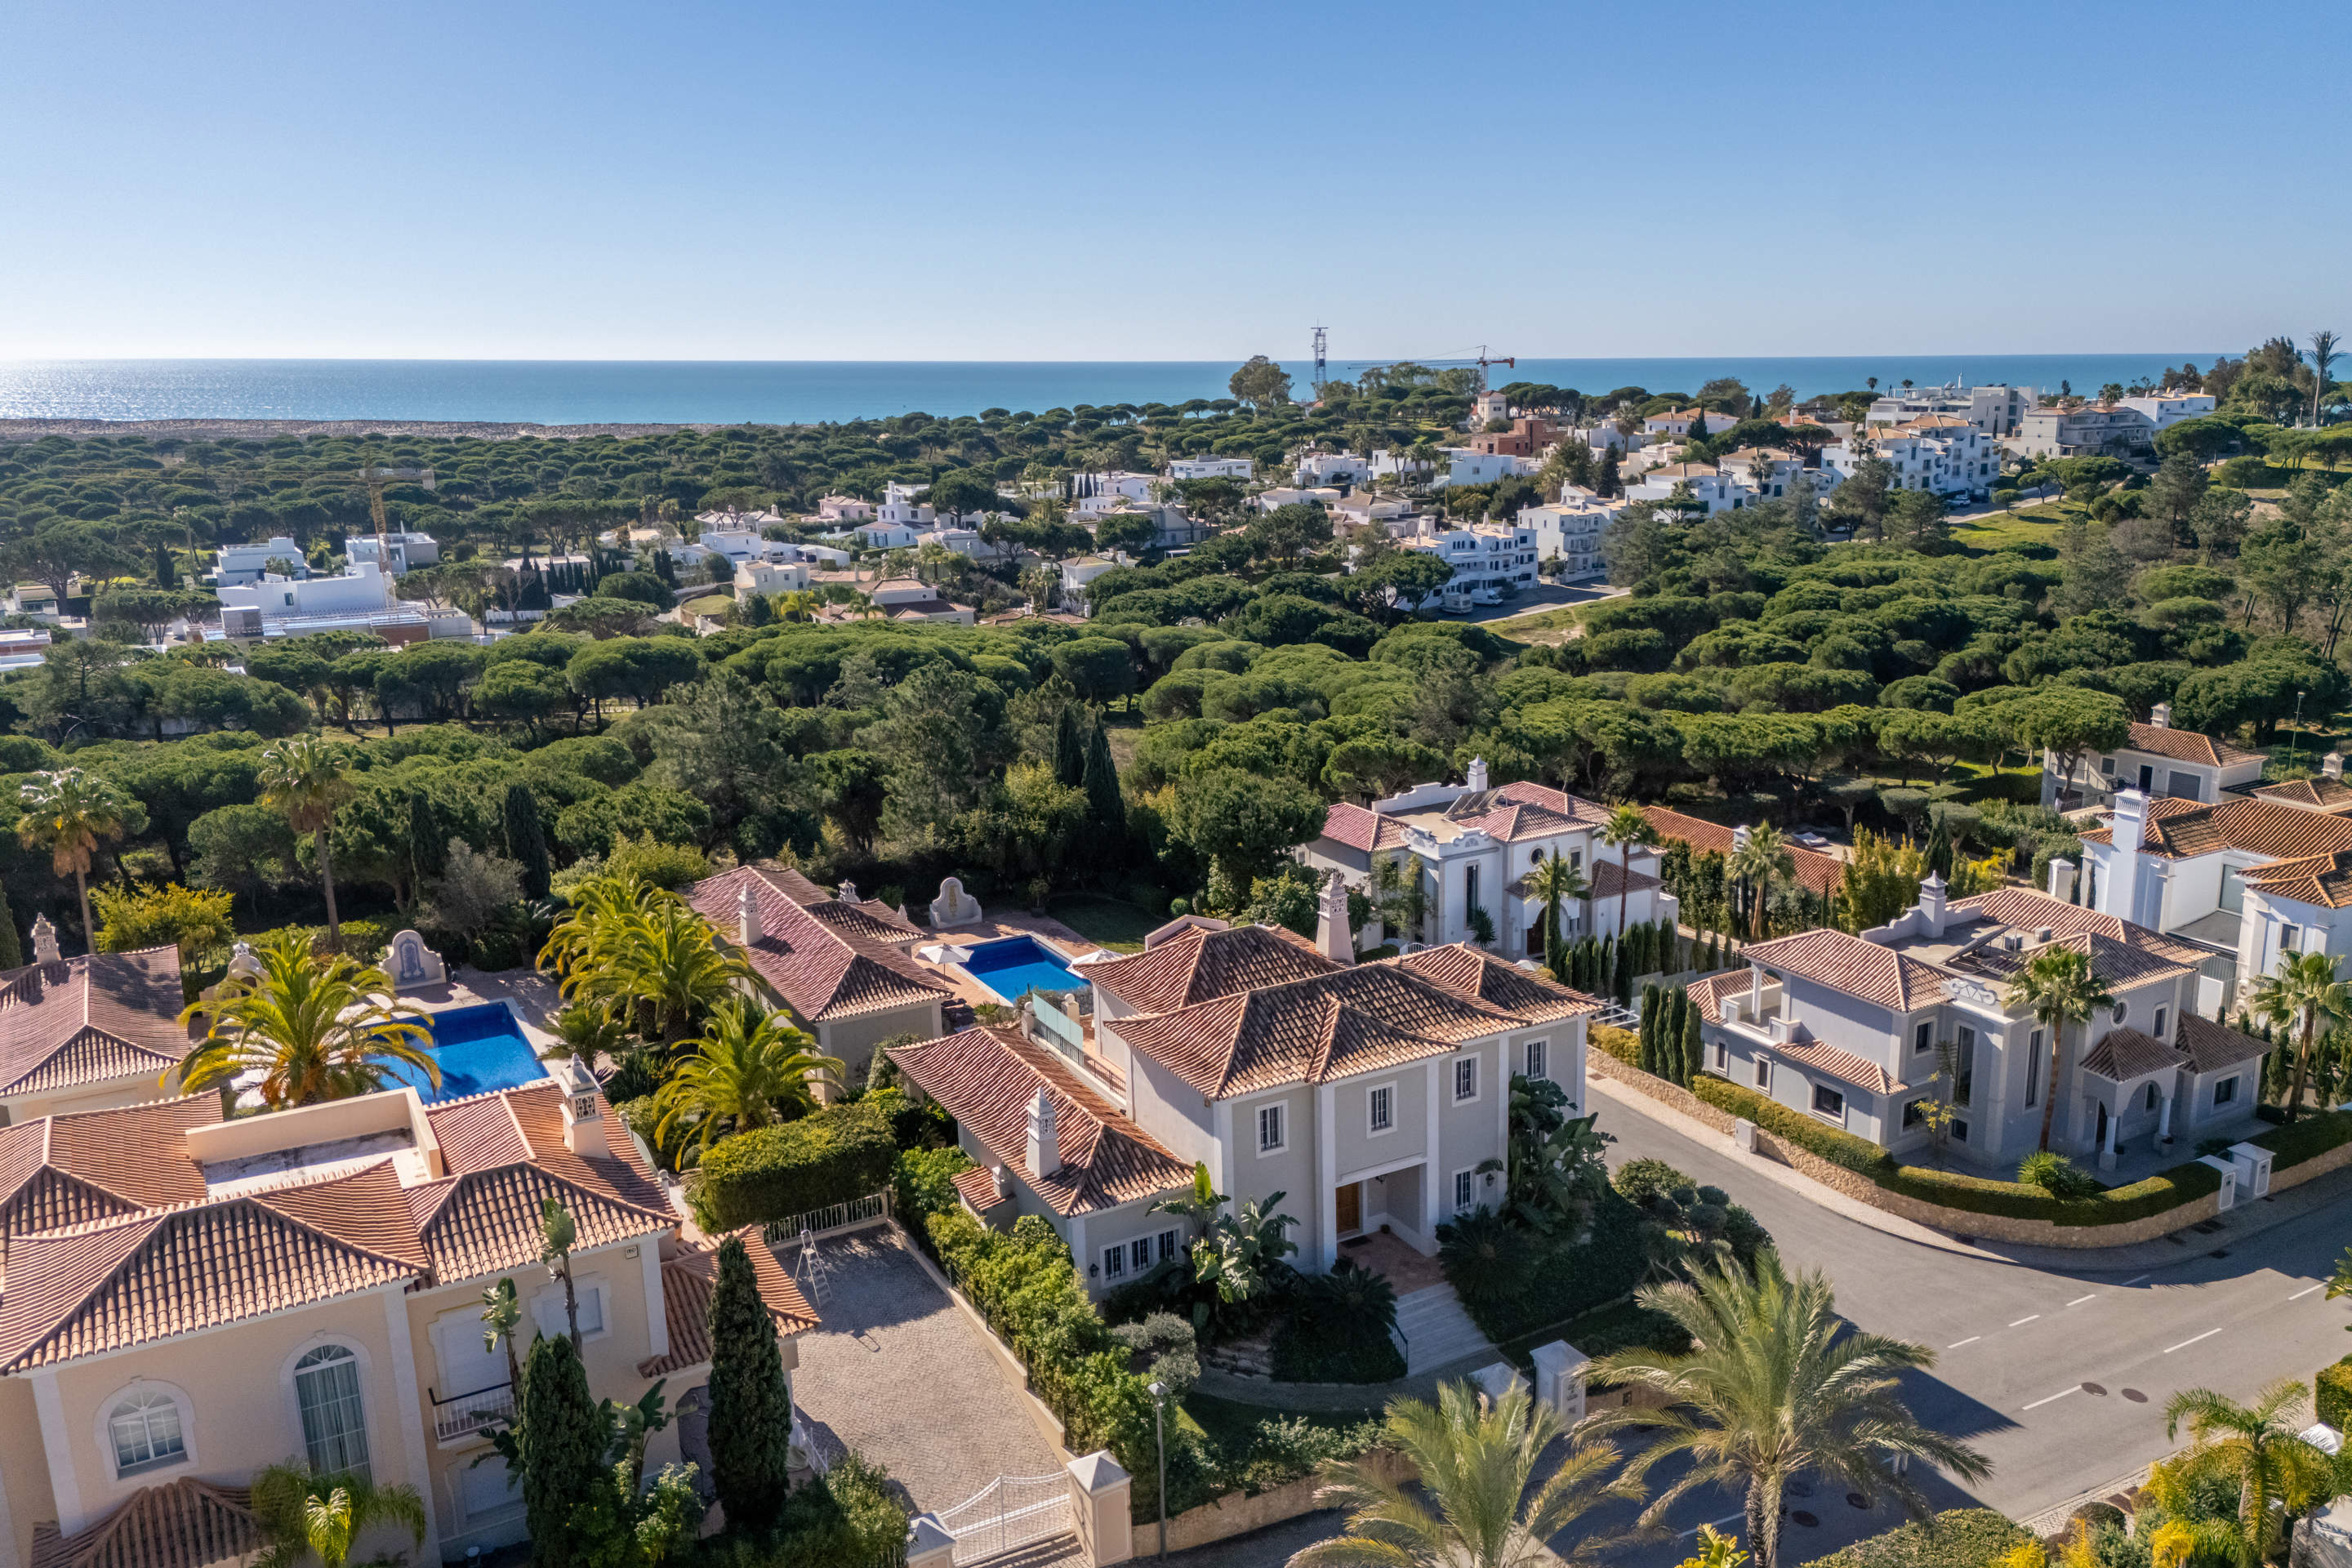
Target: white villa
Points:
(2156, 760)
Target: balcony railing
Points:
(462, 1413)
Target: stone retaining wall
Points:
(1937, 1216)
(1234, 1514)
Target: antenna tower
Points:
(1319, 362)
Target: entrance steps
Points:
(1435, 1329)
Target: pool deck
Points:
(532, 996)
(1060, 938)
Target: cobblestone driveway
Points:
(896, 1373)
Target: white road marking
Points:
(2080, 1299)
(1970, 1341)
(2299, 1295)
(2134, 1281)
(2060, 1394)
(2186, 1344)
(2025, 1320)
(1719, 1524)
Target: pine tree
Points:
(1099, 777)
(1070, 748)
(750, 1403)
(1648, 1054)
(12, 950)
(527, 839)
(1694, 1046)
(562, 1446)
(427, 850)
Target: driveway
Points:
(1545, 595)
(896, 1373)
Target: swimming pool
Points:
(1017, 965)
(478, 1049)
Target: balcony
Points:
(463, 1413)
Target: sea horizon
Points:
(801, 392)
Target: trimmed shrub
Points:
(1814, 1137)
(1622, 1044)
(1959, 1538)
(846, 1517)
(2315, 1133)
(841, 1153)
(1338, 1331)
(1512, 1281)
(2331, 1393)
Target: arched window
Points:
(145, 1431)
(334, 1426)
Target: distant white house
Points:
(771, 576)
(1469, 468)
(882, 535)
(2170, 407)
(1212, 469)
(1332, 469)
(1939, 452)
(844, 509)
(397, 553)
(1711, 487)
(1568, 531)
(1491, 563)
(908, 599)
(360, 599)
(241, 563)
(1395, 465)
(1103, 492)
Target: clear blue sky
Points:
(1197, 181)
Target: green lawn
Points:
(1230, 1424)
(1553, 620)
(1114, 922)
(2027, 525)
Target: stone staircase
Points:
(1436, 1329)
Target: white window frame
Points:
(2230, 1083)
(1112, 1261)
(1469, 1174)
(1167, 1245)
(1814, 1103)
(1280, 1111)
(1372, 1093)
(1538, 1055)
(1764, 1073)
(550, 1296)
(300, 1442)
(102, 1432)
(1477, 1079)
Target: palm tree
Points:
(1478, 1501)
(502, 1315)
(1765, 856)
(749, 1063)
(307, 777)
(304, 1514)
(1625, 828)
(2257, 1448)
(1553, 879)
(66, 813)
(2324, 351)
(2059, 986)
(663, 965)
(1778, 1386)
(310, 1027)
(2305, 988)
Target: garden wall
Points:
(1235, 1514)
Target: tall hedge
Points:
(562, 1442)
(2331, 1393)
(841, 1153)
(1960, 1538)
(750, 1403)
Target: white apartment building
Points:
(2165, 408)
(1471, 848)
(2091, 430)
(1398, 465)
(1093, 493)
(1938, 452)
(1469, 468)
(1768, 472)
(1997, 411)
(1568, 531)
(1715, 489)
(2156, 760)
(398, 552)
(238, 564)
(1332, 469)
(1240, 469)
(1491, 561)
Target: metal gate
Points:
(1010, 1512)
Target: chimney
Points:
(1931, 903)
(1332, 938)
(1739, 837)
(2160, 716)
(847, 892)
(2331, 765)
(1477, 776)
(1044, 1154)
(747, 914)
(1754, 992)
(2119, 888)
(2062, 880)
(583, 1110)
(44, 941)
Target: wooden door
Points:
(1351, 1207)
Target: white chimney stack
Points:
(1931, 903)
(583, 1111)
(1477, 775)
(1044, 1154)
(44, 941)
(847, 892)
(2160, 716)
(1740, 835)
(747, 914)
(2331, 765)
(2062, 880)
(2120, 886)
(1332, 938)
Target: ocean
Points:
(594, 392)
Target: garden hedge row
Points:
(1558, 1281)
(1622, 1044)
(2331, 1393)
(841, 1153)
(2315, 1133)
(1960, 1538)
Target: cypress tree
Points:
(527, 840)
(1648, 1055)
(167, 570)
(1938, 851)
(427, 850)
(1694, 1048)
(1670, 1033)
(1644, 938)
(1100, 776)
(563, 1442)
(750, 1403)
(1623, 985)
(12, 950)
(1069, 748)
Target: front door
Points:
(2099, 1139)
(2146, 778)
(1352, 1208)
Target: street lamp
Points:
(2294, 740)
(1159, 1392)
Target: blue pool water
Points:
(478, 1049)
(1018, 965)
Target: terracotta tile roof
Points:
(157, 1273)
(977, 1187)
(2187, 746)
(2124, 1054)
(791, 881)
(691, 1277)
(1467, 971)
(186, 1524)
(2211, 1046)
(869, 918)
(1848, 963)
(57, 1171)
(2321, 793)
(2029, 909)
(1819, 872)
(989, 1079)
(2324, 880)
(1312, 1030)
(1611, 881)
(1516, 821)
(822, 973)
(1843, 1065)
(485, 1221)
(87, 1019)
(1583, 812)
(1359, 828)
(1200, 965)
(1707, 992)
(2182, 829)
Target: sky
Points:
(1022, 180)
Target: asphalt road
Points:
(2058, 1376)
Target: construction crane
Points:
(1482, 359)
(1319, 362)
